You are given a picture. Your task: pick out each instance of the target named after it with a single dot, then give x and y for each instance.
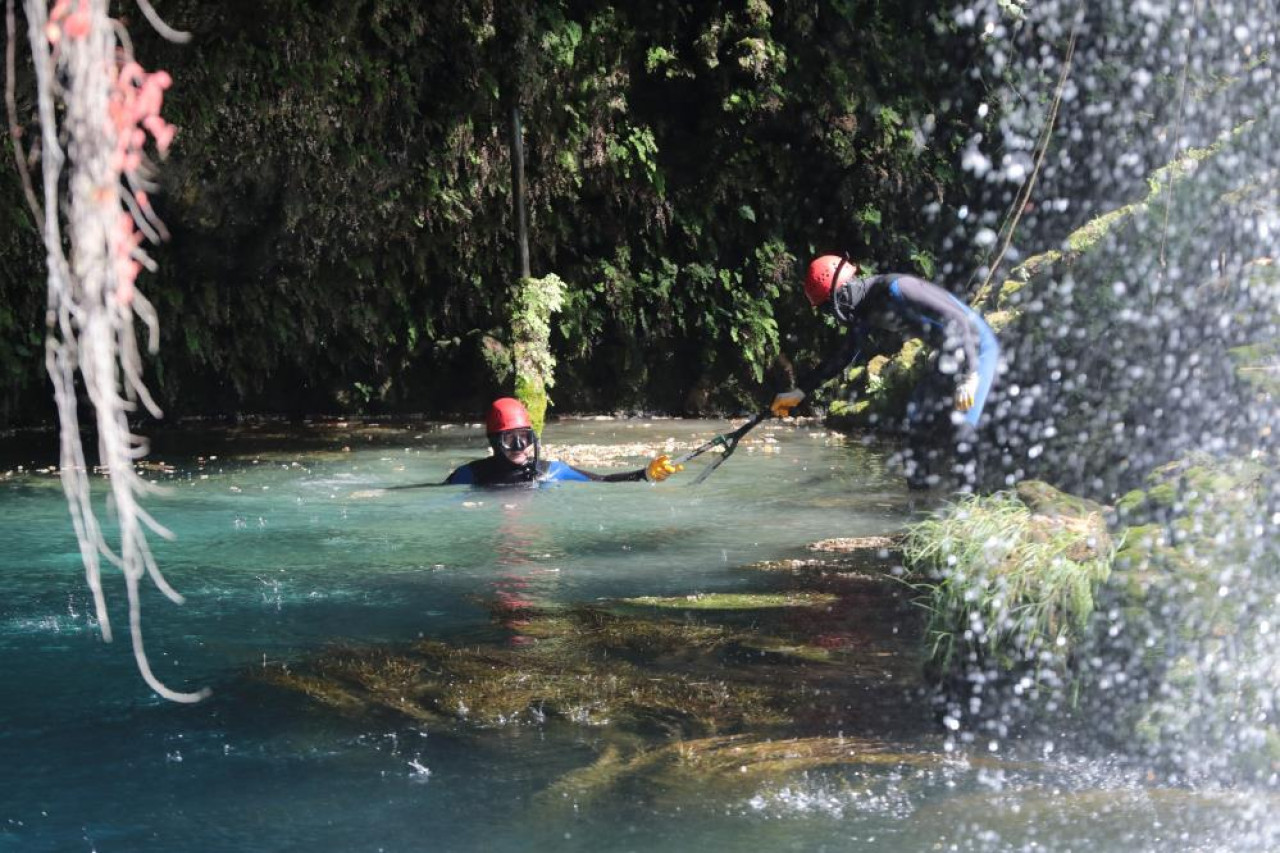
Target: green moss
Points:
(1163, 494)
(1043, 499)
(1037, 264)
(1138, 544)
(1131, 501)
(1189, 582)
(883, 390)
(1008, 292)
(1000, 320)
(1087, 236)
(1259, 365)
(533, 393)
(537, 300)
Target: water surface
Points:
(291, 541)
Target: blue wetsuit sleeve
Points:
(562, 471)
(462, 476)
(565, 471)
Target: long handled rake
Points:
(729, 441)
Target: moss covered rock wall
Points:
(339, 192)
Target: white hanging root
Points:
(111, 106)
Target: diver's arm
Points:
(562, 471)
(621, 477)
(831, 366)
(639, 475)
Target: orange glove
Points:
(966, 392)
(660, 468)
(784, 402)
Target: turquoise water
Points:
(289, 542)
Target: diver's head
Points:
(510, 432)
(833, 285)
(826, 275)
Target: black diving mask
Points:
(514, 440)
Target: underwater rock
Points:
(858, 544)
(1155, 616)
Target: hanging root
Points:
(95, 215)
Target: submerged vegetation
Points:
(629, 665)
(729, 689)
(734, 767)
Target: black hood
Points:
(846, 298)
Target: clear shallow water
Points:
(285, 547)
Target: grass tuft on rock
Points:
(1008, 584)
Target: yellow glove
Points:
(660, 468)
(966, 391)
(784, 402)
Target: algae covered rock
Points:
(734, 767)
(1154, 620)
(1012, 579)
(489, 686)
(735, 601)
(1187, 664)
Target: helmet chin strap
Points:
(532, 469)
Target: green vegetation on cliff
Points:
(339, 194)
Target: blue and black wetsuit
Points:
(497, 471)
(881, 312)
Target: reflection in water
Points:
(519, 545)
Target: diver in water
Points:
(515, 460)
(880, 313)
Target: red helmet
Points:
(506, 413)
(825, 274)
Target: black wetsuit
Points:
(497, 471)
(881, 312)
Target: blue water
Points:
(288, 542)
